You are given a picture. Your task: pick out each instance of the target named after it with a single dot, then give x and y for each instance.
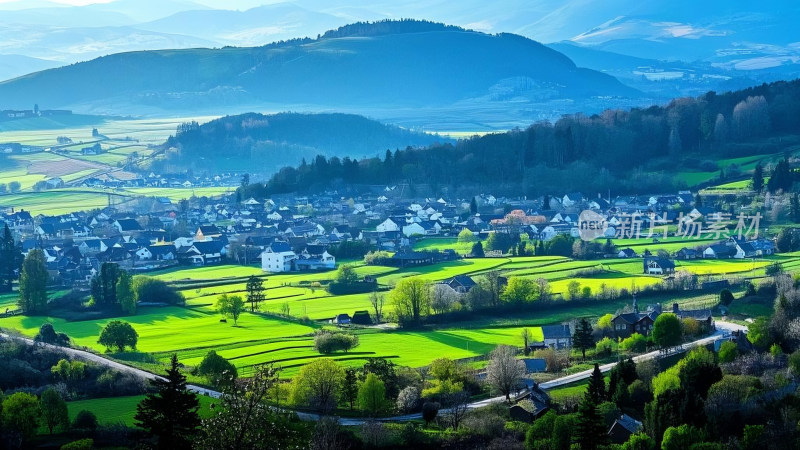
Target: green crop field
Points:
(113, 410)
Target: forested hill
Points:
(634, 151)
(403, 64)
(261, 144)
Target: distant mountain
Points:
(261, 144)
(393, 65)
(256, 26)
(12, 66)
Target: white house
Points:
(143, 254)
(388, 225)
(278, 257)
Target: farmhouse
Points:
(658, 266)
(635, 322)
(460, 283)
(557, 336)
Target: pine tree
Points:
(255, 292)
(8, 260)
(795, 207)
(582, 339)
(590, 430)
(596, 391)
(171, 413)
(758, 178)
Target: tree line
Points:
(580, 152)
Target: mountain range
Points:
(739, 37)
(378, 68)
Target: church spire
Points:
(635, 305)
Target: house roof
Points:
(534, 365)
(128, 225)
(556, 332)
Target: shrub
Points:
(85, 420)
(728, 351)
(48, 335)
(152, 290)
(326, 342)
(377, 258)
(83, 444)
(636, 343)
(725, 297)
(794, 362)
(429, 411)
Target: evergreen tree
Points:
(582, 339)
(758, 178)
(255, 292)
(8, 260)
(477, 250)
(795, 207)
(473, 206)
(590, 430)
(596, 391)
(698, 201)
(170, 414)
(33, 283)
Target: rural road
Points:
(722, 328)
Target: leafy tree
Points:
(725, 297)
(255, 292)
(48, 335)
(170, 413)
(410, 299)
(667, 330)
(622, 374)
(21, 414)
(753, 437)
(318, 385)
(153, 290)
(596, 390)
(54, 410)
(327, 342)
(639, 441)
(563, 431)
(118, 334)
(429, 412)
(681, 437)
(759, 332)
(33, 283)
(728, 351)
(466, 236)
(350, 386)
(634, 343)
(520, 290)
(85, 420)
(604, 324)
(582, 339)
(230, 306)
(372, 395)
(386, 370)
(126, 295)
(216, 369)
(69, 371)
(504, 371)
(784, 242)
(104, 284)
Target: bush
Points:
(378, 258)
(636, 343)
(725, 297)
(794, 362)
(429, 411)
(85, 420)
(728, 351)
(83, 444)
(48, 335)
(326, 342)
(152, 290)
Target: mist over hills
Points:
(388, 65)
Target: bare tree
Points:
(327, 434)
(457, 405)
(526, 336)
(377, 301)
(504, 370)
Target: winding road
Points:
(723, 329)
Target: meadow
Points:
(114, 410)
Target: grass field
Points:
(113, 410)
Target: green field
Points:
(113, 410)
